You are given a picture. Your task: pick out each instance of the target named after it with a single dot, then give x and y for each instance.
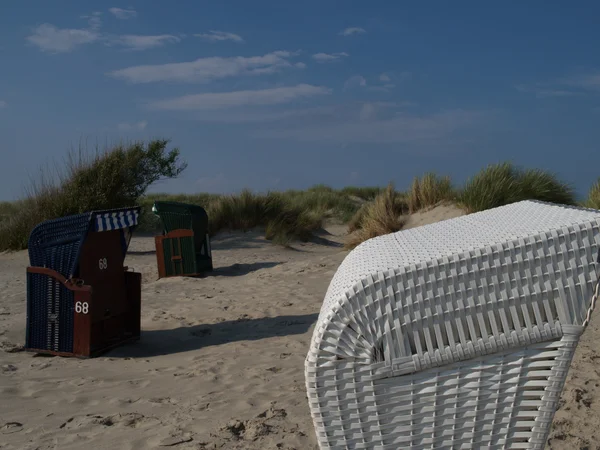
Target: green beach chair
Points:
(184, 247)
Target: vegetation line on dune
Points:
(120, 176)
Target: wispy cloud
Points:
(589, 81)
(355, 81)
(215, 36)
(223, 100)
(402, 128)
(383, 88)
(352, 30)
(207, 69)
(123, 14)
(329, 57)
(541, 91)
(132, 126)
(579, 84)
(49, 38)
(387, 78)
(141, 42)
(3, 104)
(252, 115)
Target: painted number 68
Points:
(102, 264)
(82, 307)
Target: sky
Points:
(274, 95)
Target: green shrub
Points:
(428, 191)
(502, 184)
(283, 220)
(593, 199)
(112, 178)
(382, 216)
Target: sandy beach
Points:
(220, 361)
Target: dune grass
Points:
(429, 190)
(382, 216)
(501, 184)
(286, 216)
(593, 199)
(121, 175)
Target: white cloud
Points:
(355, 81)
(367, 111)
(123, 14)
(222, 100)
(403, 128)
(216, 36)
(132, 126)
(541, 91)
(94, 20)
(3, 104)
(300, 65)
(206, 69)
(583, 83)
(49, 38)
(140, 42)
(386, 78)
(385, 88)
(329, 57)
(589, 81)
(252, 115)
(352, 30)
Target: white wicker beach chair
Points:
(457, 334)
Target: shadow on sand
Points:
(236, 270)
(184, 339)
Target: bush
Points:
(109, 179)
(8, 209)
(428, 191)
(325, 201)
(593, 199)
(283, 220)
(502, 184)
(383, 216)
(364, 193)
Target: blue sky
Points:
(280, 94)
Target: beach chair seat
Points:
(81, 299)
(184, 248)
(457, 334)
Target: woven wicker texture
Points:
(457, 334)
(56, 244)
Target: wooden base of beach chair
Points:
(176, 255)
(74, 319)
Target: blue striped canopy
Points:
(115, 219)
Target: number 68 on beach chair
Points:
(81, 300)
(457, 334)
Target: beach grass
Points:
(120, 176)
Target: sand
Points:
(220, 362)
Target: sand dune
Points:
(219, 365)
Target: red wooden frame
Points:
(88, 338)
(160, 254)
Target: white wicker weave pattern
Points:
(457, 334)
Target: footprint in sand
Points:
(8, 368)
(139, 383)
(131, 420)
(11, 427)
